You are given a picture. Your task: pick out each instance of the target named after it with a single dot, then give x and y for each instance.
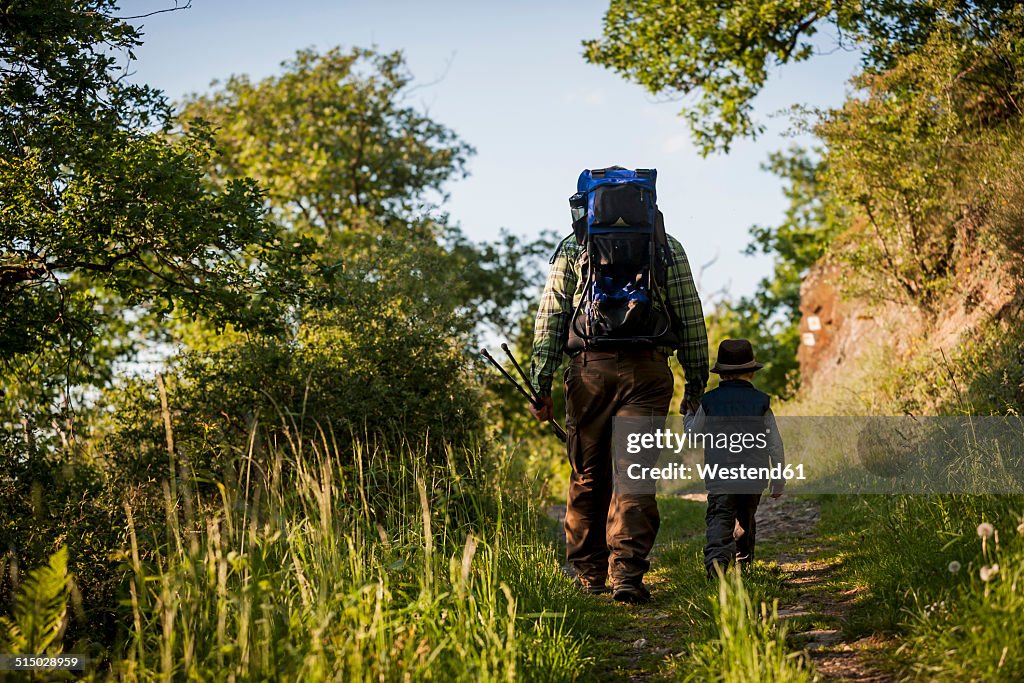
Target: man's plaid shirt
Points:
(564, 289)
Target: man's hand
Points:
(776, 489)
(546, 410)
(689, 406)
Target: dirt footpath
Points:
(820, 609)
(816, 609)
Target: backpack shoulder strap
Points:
(660, 236)
(663, 249)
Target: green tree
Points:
(347, 160)
(917, 155)
(333, 141)
(724, 51)
(106, 215)
(397, 295)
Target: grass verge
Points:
(318, 568)
(941, 573)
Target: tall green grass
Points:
(310, 570)
(315, 565)
(749, 644)
(930, 580)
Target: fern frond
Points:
(11, 637)
(40, 606)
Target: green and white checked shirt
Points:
(563, 291)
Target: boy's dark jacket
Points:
(736, 407)
(736, 397)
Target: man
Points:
(609, 535)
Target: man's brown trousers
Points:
(609, 534)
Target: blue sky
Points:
(510, 80)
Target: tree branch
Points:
(187, 5)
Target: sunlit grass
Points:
(381, 570)
(949, 590)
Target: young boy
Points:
(735, 412)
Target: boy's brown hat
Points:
(735, 355)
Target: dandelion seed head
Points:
(954, 567)
(987, 573)
(985, 530)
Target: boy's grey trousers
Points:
(731, 529)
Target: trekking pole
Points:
(533, 392)
(515, 364)
(532, 398)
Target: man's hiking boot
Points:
(591, 587)
(632, 594)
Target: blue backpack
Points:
(617, 222)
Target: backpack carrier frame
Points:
(617, 222)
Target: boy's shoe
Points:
(632, 594)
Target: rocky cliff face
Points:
(844, 340)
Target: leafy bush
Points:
(53, 501)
